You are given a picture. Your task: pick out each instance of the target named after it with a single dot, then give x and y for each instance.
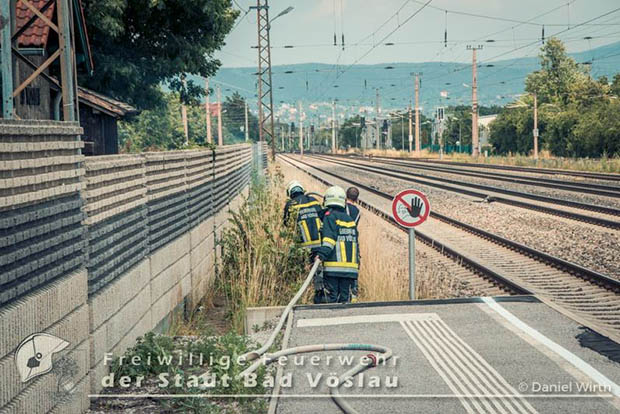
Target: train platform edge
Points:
(512, 354)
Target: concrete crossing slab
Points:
(508, 355)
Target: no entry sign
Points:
(410, 208)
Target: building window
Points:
(30, 96)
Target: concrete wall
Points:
(101, 250)
(43, 281)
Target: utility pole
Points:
(247, 130)
(7, 60)
(378, 126)
(208, 114)
(333, 127)
(402, 132)
(290, 137)
(67, 73)
(265, 95)
(410, 129)
(220, 138)
(417, 112)
(535, 127)
(185, 126)
(475, 150)
(184, 120)
(301, 130)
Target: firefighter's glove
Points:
(319, 284)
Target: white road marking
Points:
(465, 372)
(347, 320)
(573, 359)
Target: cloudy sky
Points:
(417, 31)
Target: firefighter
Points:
(354, 212)
(339, 250)
(307, 213)
(352, 194)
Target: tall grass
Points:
(261, 263)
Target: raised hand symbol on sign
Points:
(415, 208)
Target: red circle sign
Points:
(410, 208)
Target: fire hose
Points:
(379, 354)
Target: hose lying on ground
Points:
(382, 353)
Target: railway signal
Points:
(410, 208)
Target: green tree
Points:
(511, 131)
(349, 133)
(162, 129)
(233, 119)
(597, 131)
(560, 79)
(575, 111)
(615, 85)
(138, 44)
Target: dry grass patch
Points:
(384, 267)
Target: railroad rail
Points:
(589, 188)
(494, 195)
(548, 171)
(590, 297)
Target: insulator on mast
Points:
(543, 34)
(343, 41)
(335, 39)
(445, 33)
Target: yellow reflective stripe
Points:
(330, 241)
(343, 251)
(345, 223)
(311, 243)
(310, 204)
(318, 224)
(353, 255)
(340, 264)
(304, 225)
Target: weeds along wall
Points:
(100, 250)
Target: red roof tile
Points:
(38, 32)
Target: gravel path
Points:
(589, 246)
(531, 189)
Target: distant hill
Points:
(316, 83)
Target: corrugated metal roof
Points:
(37, 34)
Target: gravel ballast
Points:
(590, 246)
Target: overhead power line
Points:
(500, 19)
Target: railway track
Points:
(570, 210)
(548, 171)
(589, 188)
(591, 298)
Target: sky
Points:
(417, 31)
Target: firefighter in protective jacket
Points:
(307, 211)
(339, 250)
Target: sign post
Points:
(411, 263)
(410, 208)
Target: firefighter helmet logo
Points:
(34, 354)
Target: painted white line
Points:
(347, 320)
(472, 367)
(464, 370)
(446, 375)
(489, 372)
(573, 359)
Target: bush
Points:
(262, 265)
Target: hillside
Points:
(356, 87)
